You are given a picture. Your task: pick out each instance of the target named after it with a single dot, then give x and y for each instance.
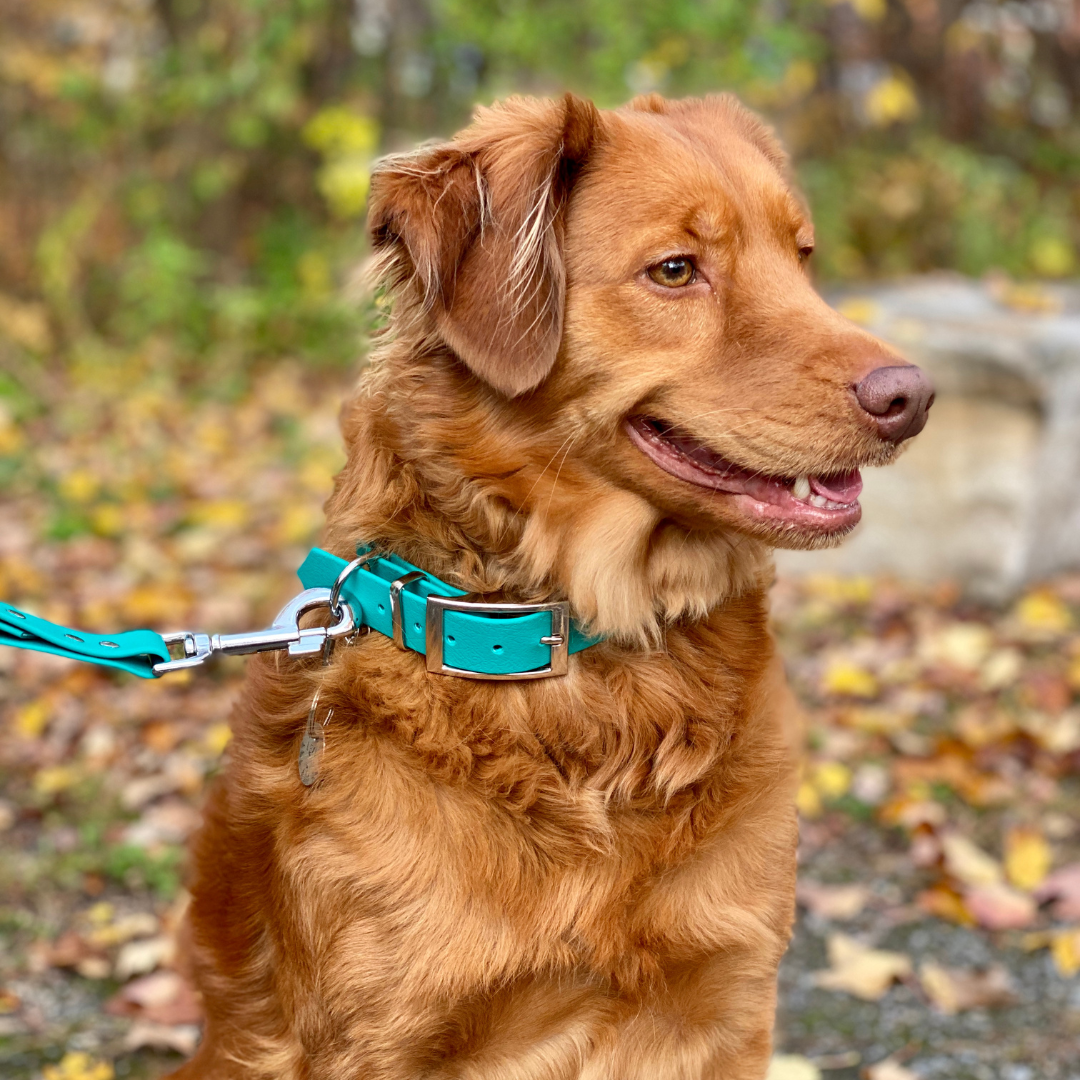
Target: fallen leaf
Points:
(1000, 907)
(141, 957)
(839, 902)
(161, 998)
(860, 970)
(183, 1038)
(1042, 611)
(953, 990)
(31, 719)
(845, 679)
(946, 903)
(1062, 886)
(1027, 857)
(792, 1067)
(72, 950)
(831, 780)
(1065, 949)
(963, 645)
(55, 779)
(78, 1065)
(127, 927)
(1002, 668)
(889, 1069)
(968, 863)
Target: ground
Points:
(939, 919)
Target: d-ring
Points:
(334, 603)
(335, 590)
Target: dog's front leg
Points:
(713, 1023)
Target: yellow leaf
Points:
(891, 100)
(832, 779)
(344, 184)
(1052, 256)
(229, 514)
(217, 738)
(78, 1065)
(107, 519)
(1027, 858)
(1065, 949)
(79, 485)
(1042, 610)
(101, 914)
(846, 679)
(31, 719)
(54, 779)
(338, 131)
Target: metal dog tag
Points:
(313, 745)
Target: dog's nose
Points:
(898, 398)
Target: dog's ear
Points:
(477, 223)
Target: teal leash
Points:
(459, 634)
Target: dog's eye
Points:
(805, 252)
(673, 273)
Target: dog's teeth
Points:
(801, 488)
(819, 501)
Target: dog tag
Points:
(313, 745)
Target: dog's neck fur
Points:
(474, 489)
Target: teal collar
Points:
(459, 634)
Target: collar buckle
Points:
(558, 640)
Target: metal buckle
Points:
(558, 639)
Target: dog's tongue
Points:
(841, 488)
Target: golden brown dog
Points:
(607, 379)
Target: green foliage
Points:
(186, 180)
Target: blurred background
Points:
(182, 194)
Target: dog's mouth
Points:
(823, 504)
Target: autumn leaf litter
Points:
(939, 897)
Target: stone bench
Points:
(989, 493)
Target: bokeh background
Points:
(182, 191)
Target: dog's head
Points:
(618, 301)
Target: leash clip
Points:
(284, 633)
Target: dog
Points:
(606, 380)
